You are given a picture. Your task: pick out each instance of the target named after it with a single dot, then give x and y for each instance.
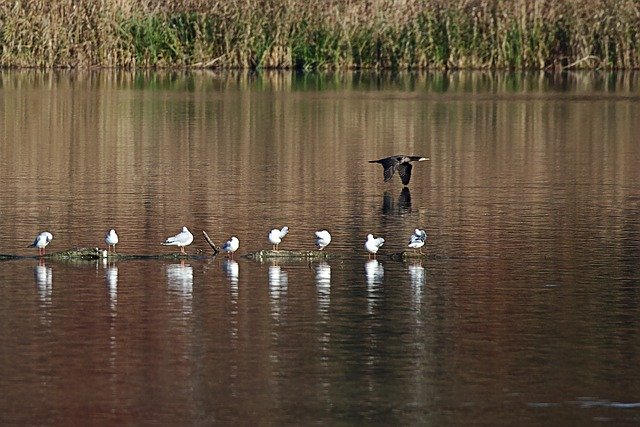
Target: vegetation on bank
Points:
(321, 34)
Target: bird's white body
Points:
(417, 239)
(373, 244)
(41, 241)
(276, 236)
(231, 245)
(111, 239)
(182, 239)
(323, 238)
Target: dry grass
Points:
(336, 34)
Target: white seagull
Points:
(276, 236)
(111, 239)
(417, 239)
(182, 239)
(373, 244)
(41, 242)
(231, 245)
(323, 238)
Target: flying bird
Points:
(373, 244)
(417, 240)
(111, 239)
(41, 242)
(182, 239)
(276, 236)
(400, 163)
(323, 238)
(231, 245)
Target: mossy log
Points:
(290, 255)
(80, 254)
(408, 255)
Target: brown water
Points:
(526, 311)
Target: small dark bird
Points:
(400, 163)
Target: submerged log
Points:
(408, 255)
(270, 254)
(97, 254)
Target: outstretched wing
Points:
(390, 165)
(404, 170)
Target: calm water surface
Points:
(525, 311)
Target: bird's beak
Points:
(422, 159)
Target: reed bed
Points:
(321, 35)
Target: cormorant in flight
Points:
(400, 163)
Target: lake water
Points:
(525, 311)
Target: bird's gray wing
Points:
(404, 169)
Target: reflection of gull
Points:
(417, 239)
(373, 244)
(111, 239)
(323, 284)
(416, 275)
(231, 245)
(44, 281)
(374, 271)
(276, 236)
(182, 239)
(111, 276)
(323, 238)
(231, 269)
(375, 274)
(180, 278)
(41, 241)
(277, 281)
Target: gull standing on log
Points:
(231, 245)
(111, 239)
(182, 239)
(417, 240)
(373, 244)
(400, 163)
(41, 242)
(323, 238)
(276, 236)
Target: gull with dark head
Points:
(111, 239)
(182, 239)
(41, 241)
(276, 236)
(373, 244)
(400, 163)
(231, 245)
(417, 240)
(323, 238)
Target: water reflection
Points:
(44, 285)
(416, 276)
(231, 270)
(323, 286)
(111, 279)
(180, 282)
(278, 281)
(375, 275)
(401, 207)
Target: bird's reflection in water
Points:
(278, 282)
(44, 282)
(375, 275)
(44, 286)
(111, 278)
(231, 270)
(323, 286)
(417, 278)
(180, 282)
(402, 206)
